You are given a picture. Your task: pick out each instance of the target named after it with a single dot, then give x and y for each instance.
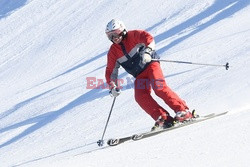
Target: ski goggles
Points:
(114, 34)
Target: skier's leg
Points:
(144, 99)
(162, 90)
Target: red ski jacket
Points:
(127, 54)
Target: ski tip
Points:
(223, 113)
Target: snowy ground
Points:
(49, 48)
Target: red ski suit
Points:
(148, 76)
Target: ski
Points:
(135, 137)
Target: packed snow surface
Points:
(49, 50)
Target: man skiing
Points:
(134, 50)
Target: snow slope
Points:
(48, 116)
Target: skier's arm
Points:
(148, 40)
(112, 68)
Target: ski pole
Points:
(100, 142)
(186, 62)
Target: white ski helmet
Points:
(115, 28)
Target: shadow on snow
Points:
(8, 6)
(44, 119)
(221, 9)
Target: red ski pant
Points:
(152, 78)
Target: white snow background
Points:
(49, 48)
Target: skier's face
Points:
(115, 36)
(117, 40)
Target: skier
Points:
(133, 50)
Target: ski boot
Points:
(183, 116)
(162, 123)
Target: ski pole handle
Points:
(186, 62)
